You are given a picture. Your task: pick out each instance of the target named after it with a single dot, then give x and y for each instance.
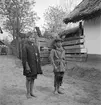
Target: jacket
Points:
(57, 57)
(30, 55)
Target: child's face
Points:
(31, 40)
(59, 44)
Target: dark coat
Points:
(30, 54)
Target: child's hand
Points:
(27, 67)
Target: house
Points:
(89, 11)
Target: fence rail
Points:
(73, 42)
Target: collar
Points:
(59, 49)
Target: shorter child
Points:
(57, 57)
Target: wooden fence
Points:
(75, 48)
(44, 56)
(44, 50)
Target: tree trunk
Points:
(17, 47)
(20, 55)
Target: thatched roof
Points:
(69, 31)
(86, 10)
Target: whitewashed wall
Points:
(92, 31)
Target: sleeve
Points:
(24, 57)
(64, 57)
(52, 57)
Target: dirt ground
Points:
(80, 88)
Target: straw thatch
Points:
(69, 31)
(86, 10)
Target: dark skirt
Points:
(29, 78)
(58, 77)
(28, 73)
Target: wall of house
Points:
(92, 32)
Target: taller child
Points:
(31, 65)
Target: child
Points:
(31, 65)
(57, 57)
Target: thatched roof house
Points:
(86, 10)
(90, 12)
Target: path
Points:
(12, 88)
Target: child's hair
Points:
(56, 41)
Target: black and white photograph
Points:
(50, 52)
